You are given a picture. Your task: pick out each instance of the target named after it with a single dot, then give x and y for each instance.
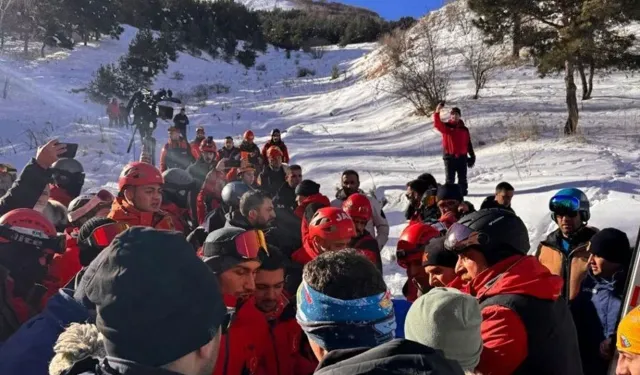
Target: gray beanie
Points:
(448, 320)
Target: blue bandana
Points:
(343, 324)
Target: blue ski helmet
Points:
(571, 199)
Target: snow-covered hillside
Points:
(268, 4)
(351, 122)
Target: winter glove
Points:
(471, 161)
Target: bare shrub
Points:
(305, 72)
(395, 45)
(317, 53)
(422, 77)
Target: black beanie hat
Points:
(612, 245)
(307, 188)
(450, 192)
(156, 300)
(88, 252)
(436, 255)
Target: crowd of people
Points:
(227, 262)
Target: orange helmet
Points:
(331, 224)
(208, 145)
(30, 227)
(248, 135)
(274, 152)
(139, 174)
(412, 241)
(358, 206)
(199, 129)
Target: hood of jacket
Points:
(518, 274)
(316, 198)
(395, 357)
(613, 284)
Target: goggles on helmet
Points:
(460, 237)
(30, 237)
(564, 203)
(102, 199)
(103, 235)
(404, 257)
(250, 243)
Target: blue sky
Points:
(394, 9)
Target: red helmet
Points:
(139, 174)
(248, 135)
(273, 152)
(416, 236)
(208, 145)
(358, 206)
(331, 224)
(199, 129)
(30, 227)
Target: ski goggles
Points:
(406, 256)
(101, 199)
(460, 237)
(31, 237)
(564, 204)
(103, 235)
(249, 244)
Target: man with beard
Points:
(274, 175)
(28, 242)
(285, 196)
(292, 351)
(378, 226)
(160, 310)
(234, 255)
(255, 212)
(229, 155)
(206, 161)
(68, 179)
(197, 141)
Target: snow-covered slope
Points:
(351, 122)
(268, 4)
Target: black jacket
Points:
(395, 357)
(199, 171)
(285, 197)
(490, 202)
(232, 155)
(271, 181)
(113, 366)
(255, 157)
(27, 189)
(181, 121)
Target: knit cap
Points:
(448, 320)
(629, 332)
(307, 188)
(612, 245)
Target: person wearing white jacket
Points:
(378, 226)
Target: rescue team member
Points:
(205, 163)
(234, 255)
(274, 175)
(177, 191)
(176, 153)
(276, 140)
(290, 346)
(139, 200)
(358, 207)
(409, 254)
(68, 180)
(197, 141)
(526, 324)
(250, 151)
(564, 251)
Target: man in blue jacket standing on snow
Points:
(596, 309)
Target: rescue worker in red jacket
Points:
(139, 201)
(113, 111)
(276, 140)
(176, 153)
(409, 253)
(358, 207)
(210, 196)
(234, 256)
(289, 345)
(274, 175)
(66, 265)
(195, 144)
(456, 146)
(250, 151)
(28, 241)
(330, 229)
(309, 201)
(68, 180)
(526, 326)
(177, 192)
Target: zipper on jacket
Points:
(275, 347)
(226, 354)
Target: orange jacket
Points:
(124, 212)
(289, 345)
(176, 154)
(247, 342)
(281, 146)
(59, 194)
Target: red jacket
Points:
(503, 332)
(59, 194)
(367, 246)
(195, 148)
(64, 266)
(206, 203)
(307, 253)
(248, 342)
(176, 154)
(281, 146)
(294, 356)
(122, 211)
(179, 216)
(113, 110)
(455, 137)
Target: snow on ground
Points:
(268, 4)
(351, 122)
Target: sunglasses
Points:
(64, 178)
(56, 244)
(460, 238)
(103, 235)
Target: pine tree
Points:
(499, 19)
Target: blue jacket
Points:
(30, 349)
(596, 311)
(401, 308)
